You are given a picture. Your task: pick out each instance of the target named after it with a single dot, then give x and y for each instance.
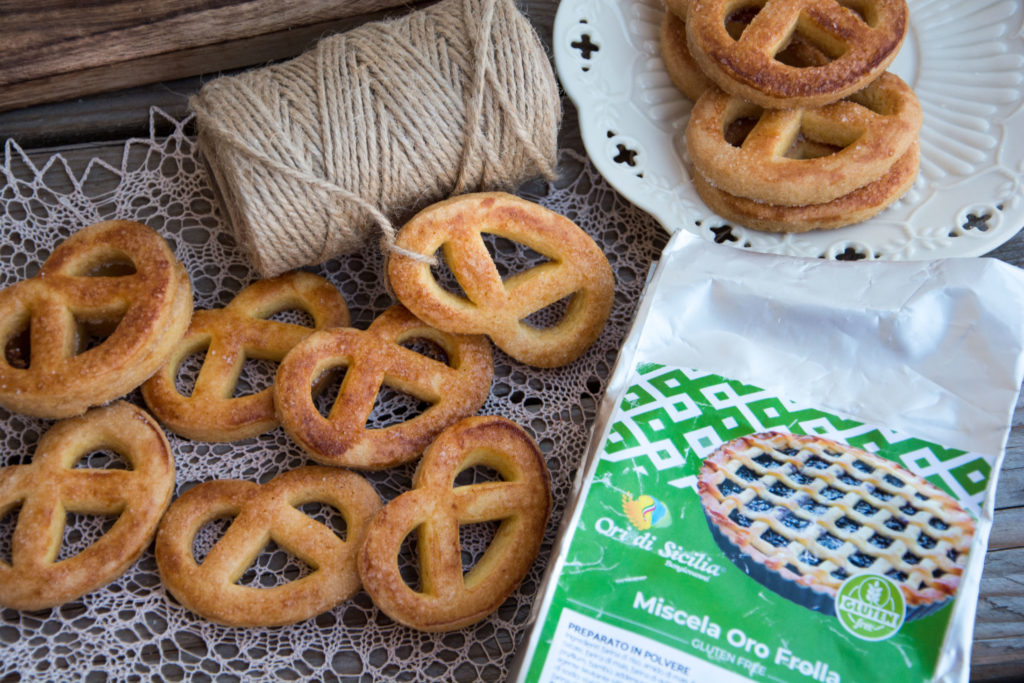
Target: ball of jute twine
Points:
(310, 157)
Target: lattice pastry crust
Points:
(817, 512)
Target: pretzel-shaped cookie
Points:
(372, 359)
(230, 335)
(679, 63)
(115, 272)
(683, 69)
(870, 130)
(262, 514)
(50, 485)
(577, 268)
(859, 205)
(862, 41)
(447, 599)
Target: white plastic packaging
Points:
(931, 350)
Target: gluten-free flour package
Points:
(791, 477)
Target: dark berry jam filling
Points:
(745, 473)
(846, 524)
(829, 541)
(895, 524)
(849, 479)
(865, 508)
(740, 519)
(775, 538)
(759, 504)
(807, 557)
(829, 493)
(893, 481)
(795, 521)
(815, 508)
(861, 560)
(896, 574)
(882, 494)
(729, 487)
(880, 541)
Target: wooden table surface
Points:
(82, 128)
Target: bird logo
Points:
(645, 511)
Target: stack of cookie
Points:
(796, 124)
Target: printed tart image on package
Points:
(802, 514)
(726, 532)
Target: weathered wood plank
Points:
(1011, 479)
(1000, 669)
(117, 111)
(1010, 492)
(1007, 529)
(115, 116)
(998, 651)
(52, 37)
(1011, 252)
(1001, 605)
(54, 50)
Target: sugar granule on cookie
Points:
(51, 485)
(229, 336)
(260, 513)
(447, 598)
(452, 385)
(105, 311)
(576, 273)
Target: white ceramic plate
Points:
(965, 61)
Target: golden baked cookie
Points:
(857, 206)
(453, 387)
(447, 599)
(116, 279)
(745, 150)
(262, 514)
(684, 70)
(51, 486)
(230, 335)
(861, 41)
(577, 270)
(679, 63)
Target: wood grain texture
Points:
(1007, 529)
(56, 49)
(998, 651)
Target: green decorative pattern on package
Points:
(727, 533)
(672, 412)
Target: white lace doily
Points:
(132, 629)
